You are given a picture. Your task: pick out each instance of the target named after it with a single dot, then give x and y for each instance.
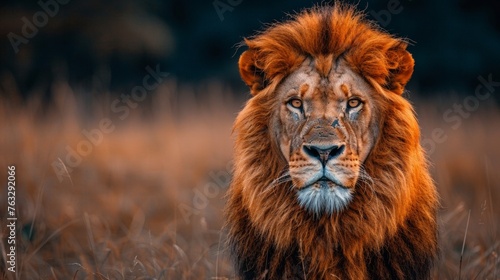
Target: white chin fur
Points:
(324, 200)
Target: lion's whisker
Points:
(364, 177)
(283, 178)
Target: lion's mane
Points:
(388, 231)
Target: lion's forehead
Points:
(340, 83)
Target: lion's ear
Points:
(250, 72)
(401, 65)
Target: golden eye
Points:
(353, 103)
(295, 103)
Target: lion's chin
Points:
(324, 197)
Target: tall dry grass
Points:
(465, 168)
(146, 202)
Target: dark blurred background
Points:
(96, 45)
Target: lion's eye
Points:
(353, 103)
(295, 103)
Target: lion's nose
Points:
(323, 152)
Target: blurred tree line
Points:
(96, 45)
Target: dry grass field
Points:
(145, 200)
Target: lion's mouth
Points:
(324, 197)
(324, 182)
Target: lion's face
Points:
(325, 132)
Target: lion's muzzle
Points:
(321, 166)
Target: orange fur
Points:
(388, 231)
(322, 32)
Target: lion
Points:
(330, 180)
